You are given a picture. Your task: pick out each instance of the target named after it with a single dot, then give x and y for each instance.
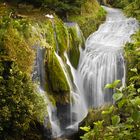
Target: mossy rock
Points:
(56, 79)
(76, 40)
(61, 36)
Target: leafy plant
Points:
(20, 104)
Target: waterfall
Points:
(78, 108)
(39, 76)
(102, 61)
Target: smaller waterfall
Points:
(51, 109)
(39, 76)
(78, 107)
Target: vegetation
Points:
(22, 109)
(20, 106)
(76, 41)
(22, 30)
(132, 54)
(61, 37)
(120, 121)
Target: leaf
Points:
(134, 70)
(112, 85)
(85, 128)
(108, 111)
(136, 101)
(136, 116)
(108, 86)
(121, 103)
(117, 96)
(116, 82)
(115, 119)
(138, 90)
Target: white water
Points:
(78, 109)
(102, 60)
(39, 76)
(100, 63)
(78, 106)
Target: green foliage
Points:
(20, 104)
(132, 55)
(115, 119)
(117, 96)
(85, 128)
(124, 123)
(113, 85)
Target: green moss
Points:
(15, 48)
(57, 81)
(61, 36)
(48, 32)
(92, 15)
(75, 41)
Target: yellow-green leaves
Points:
(115, 119)
(117, 96)
(113, 85)
(85, 128)
(108, 111)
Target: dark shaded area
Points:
(62, 7)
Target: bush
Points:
(20, 104)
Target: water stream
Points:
(101, 62)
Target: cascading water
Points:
(100, 63)
(78, 107)
(39, 76)
(102, 60)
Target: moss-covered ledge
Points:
(92, 15)
(76, 41)
(57, 83)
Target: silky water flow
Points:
(101, 62)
